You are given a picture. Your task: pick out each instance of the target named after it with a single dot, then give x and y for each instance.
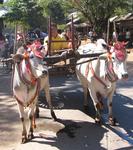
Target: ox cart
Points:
(64, 61)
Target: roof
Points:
(77, 20)
(126, 17)
(113, 18)
(3, 11)
(81, 25)
(75, 15)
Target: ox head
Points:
(31, 64)
(118, 57)
(102, 45)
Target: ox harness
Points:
(120, 53)
(110, 74)
(32, 82)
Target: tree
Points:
(27, 13)
(54, 9)
(99, 11)
(56, 12)
(1, 20)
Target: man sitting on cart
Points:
(55, 46)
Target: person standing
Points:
(128, 38)
(115, 37)
(128, 35)
(90, 34)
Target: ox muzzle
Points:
(125, 76)
(44, 72)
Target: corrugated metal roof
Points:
(75, 15)
(113, 18)
(128, 16)
(3, 11)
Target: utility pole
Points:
(1, 20)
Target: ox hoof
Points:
(98, 121)
(24, 140)
(86, 107)
(112, 121)
(53, 116)
(30, 136)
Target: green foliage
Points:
(27, 13)
(54, 9)
(97, 12)
(119, 11)
(34, 13)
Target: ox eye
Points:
(31, 56)
(113, 58)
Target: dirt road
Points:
(74, 131)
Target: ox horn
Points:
(103, 56)
(6, 60)
(17, 57)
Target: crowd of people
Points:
(6, 45)
(122, 36)
(64, 39)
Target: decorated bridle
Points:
(33, 79)
(120, 52)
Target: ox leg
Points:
(85, 90)
(32, 122)
(112, 120)
(97, 105)
(24, 132)
(48, 98)
(37, 111)
(30, 134)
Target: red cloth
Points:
(120, 51)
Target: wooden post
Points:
(115, 30)
(49, 36)
(108, 27)
(72, 34)
(15, 40)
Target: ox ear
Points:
(17, 57)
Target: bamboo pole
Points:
(108, 28)
(15, 39)
(49, 36)
(72, 34)
(115, 30)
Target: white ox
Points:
(30, 76)
(100, 76)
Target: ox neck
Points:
(109, 71)
(32, 79)
(108, 74)
(20, 101)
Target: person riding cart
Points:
(55, 36)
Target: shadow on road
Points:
(76, 135)
(67, 94)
